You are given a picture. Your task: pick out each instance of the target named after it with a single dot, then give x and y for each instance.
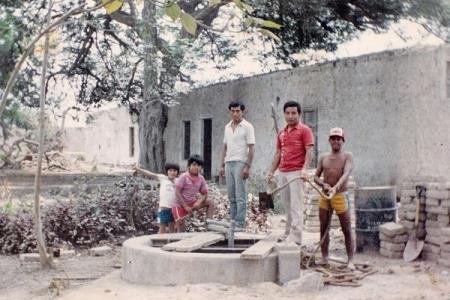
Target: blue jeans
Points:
(237, 192)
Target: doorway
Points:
(207, 147)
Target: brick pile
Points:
(444, 259)
(434, 217)
(393, 238)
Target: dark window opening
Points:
(448, 79)
(311, 119)
(207, 147)
(131, 142)
(187, 139)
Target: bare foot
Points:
(323, 261)
(351, 266)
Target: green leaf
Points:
(270, 34)
(214, 2)
(112, 6)
(189, 23)
(248, 22)
(173, 11)
(243, 6)
(247, 7)
(270, 24)
(257, 21)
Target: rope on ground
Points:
(336, 272)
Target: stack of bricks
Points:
(437, 218)
(393, 238)
(434, 217)
(311, 212)
(444, 259)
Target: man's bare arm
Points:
(275, 163)
(308, 158)
(251, 154)
(248, 163)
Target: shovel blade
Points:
(265, 201)
(413, 249)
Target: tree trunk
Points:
(153, 115)
(152, 124)
(45, 261)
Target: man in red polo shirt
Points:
(294, 152)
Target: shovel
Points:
(414, 246)
(266, 199)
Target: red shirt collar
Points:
(298, 126)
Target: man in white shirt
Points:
(236, 160)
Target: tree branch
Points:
(76, 11)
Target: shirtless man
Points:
(336, 167)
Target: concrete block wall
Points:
(433, 194)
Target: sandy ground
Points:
(395, 280)
(19, 280)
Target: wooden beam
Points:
(259, 250)
(194, 243)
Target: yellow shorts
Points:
(338, 203)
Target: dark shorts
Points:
(165, 216)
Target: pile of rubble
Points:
(256, 220)
(51, 161)
(393, 239)
(433, 195)
(311, 212)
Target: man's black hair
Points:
(171, 166)
(292, 104)
(236, 103)
(195, 158)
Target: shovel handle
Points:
(307, 180)
(318, 190)
(416, 220)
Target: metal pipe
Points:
(219, 223)
(217, 228)
(231, 234)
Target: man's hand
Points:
(304, 175)
(269, 177)
(332, 192)
(326, 187)
(246, 172)
(222, 172)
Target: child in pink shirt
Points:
(187, 187)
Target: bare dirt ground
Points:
(26, 280)
(395, 279)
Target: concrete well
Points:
(144, 262)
